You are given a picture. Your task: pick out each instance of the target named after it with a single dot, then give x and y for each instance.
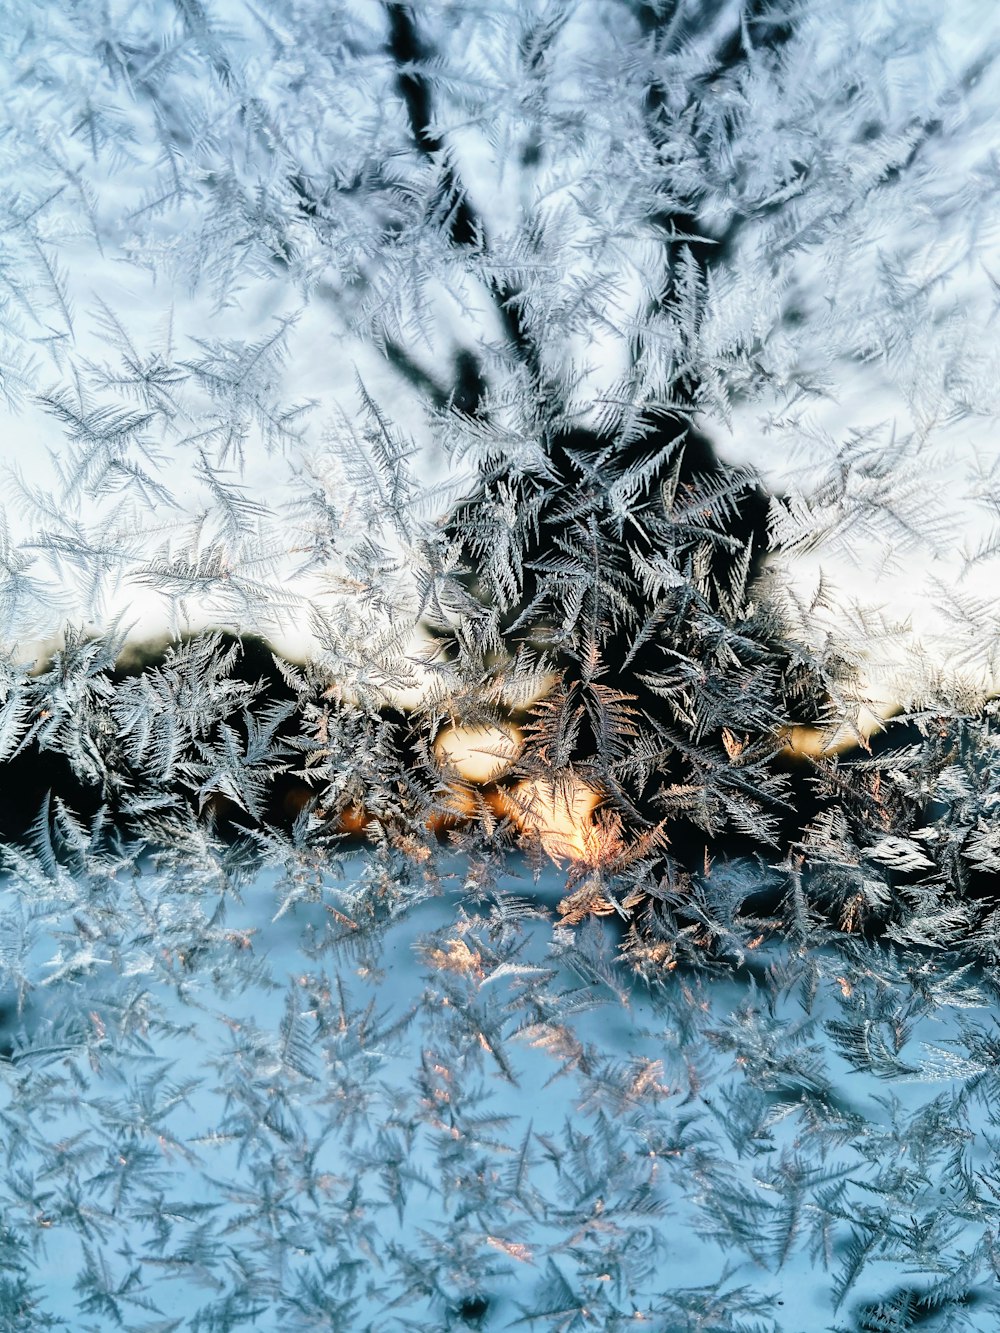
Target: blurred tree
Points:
(560, 243)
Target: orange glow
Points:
(810, 742)
(353, 820)
(478, 754)
(560, 813)
(458, 806)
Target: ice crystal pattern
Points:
(419, 342)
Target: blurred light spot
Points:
(478, 754)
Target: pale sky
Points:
(910, 393)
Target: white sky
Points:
(323, 363)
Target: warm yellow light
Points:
(478, 754)
(805, 742)
(558, 812)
